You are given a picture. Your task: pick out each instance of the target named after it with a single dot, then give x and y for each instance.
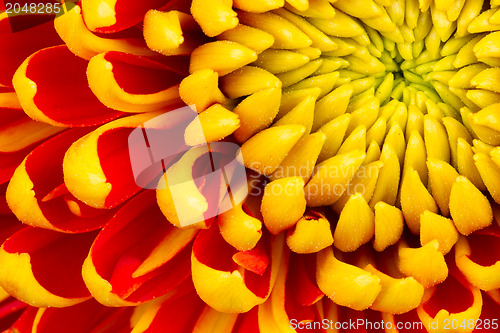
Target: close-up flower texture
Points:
(369, 135)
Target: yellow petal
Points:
(222, 57)
(345, 284)
(363, 182)
(258, 6)
(436, 139)
(239, 229)
(250, 37)
(283, 203)
(434, 226)
(455, 130)
(488, 79)
(248, 80)
(426, 264)
(469, 208)
(302, 114)
(397, 295)
(334, 131)
(214, 16)
(356, 224)
(330, 178)
(466, 165)
(301, 160)
(216, 122)
(355, 141)
(163, 32)
(279, 61)
(389, 225)
(388, 178)
(416, 156)
(257, 112)
(341, 26)
(265, 151)
(201, 89)
(332, 105)
(490, 174)
(415, 199)
(286, 35)
(441, 179)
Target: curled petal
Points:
(248, 80)
(133, 258)
(49, 263)
(345, 284)
(42, 84)
(130, 83)
(240, 229)
(476, 258)
(433, 226)
(38, 197)
(452, 300)
(397, 295)
(426, 264)
(216, 122)
(85, 44)
(224, 285)
(252, 38)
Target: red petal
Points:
(62, 96)
(25, 323)
(302, 279)
(89, 316)
(255, 260)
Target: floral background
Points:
(369, 129)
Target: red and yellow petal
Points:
(43, 268)
(37, 195)
(90, 164)
(221, 282)
(52, 87)
(477, 258)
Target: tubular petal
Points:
(85, 44)
(480, 274)
(216, 122)
(397, 295)
(240, 229)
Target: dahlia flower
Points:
(369, 132)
